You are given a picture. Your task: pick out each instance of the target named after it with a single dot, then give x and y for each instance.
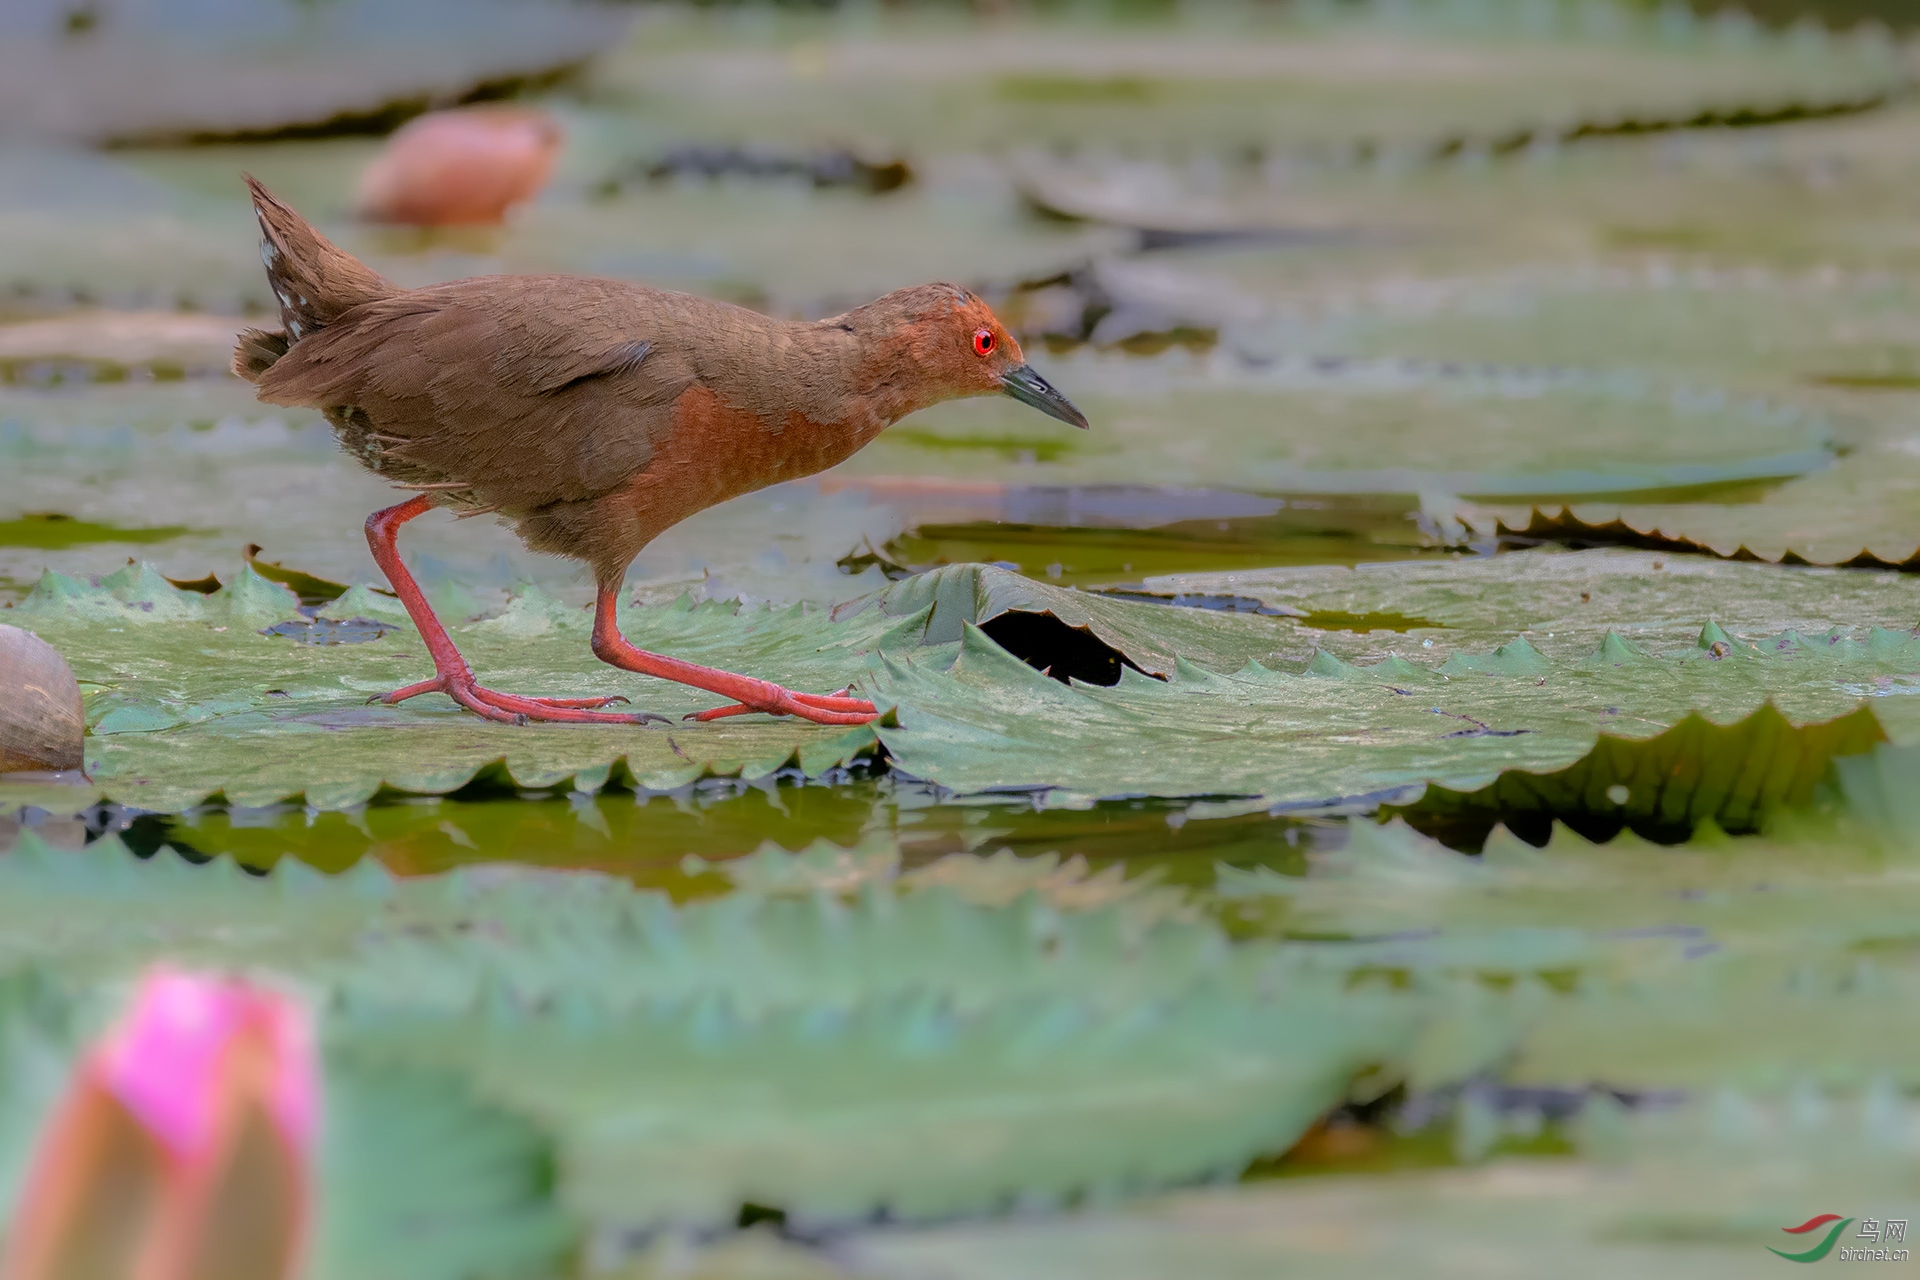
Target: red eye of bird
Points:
(983, 342)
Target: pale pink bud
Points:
(465, 166)
(184, 1147)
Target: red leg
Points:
(452, 676)
(749, 694)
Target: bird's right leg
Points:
(452, 676)
(749, 694)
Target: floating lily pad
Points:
(1782, 330)
(1336, 733)
(1302, 425)
(1400, 80)
(642, 1034)
(1090, 636)
(1624, 906)
(178, 701)
(1569, 600)
(1695, 772)
(1858, 513)
(1690, 1193)
(236, 68)
(189, 699)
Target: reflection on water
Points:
(647, 837)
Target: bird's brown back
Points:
(594, 413)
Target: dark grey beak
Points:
(1028, 387)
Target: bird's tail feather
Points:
(314, 279)
(256, 351)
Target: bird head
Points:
(959, 348)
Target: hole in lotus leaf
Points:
(327, 631)
(1066, 653)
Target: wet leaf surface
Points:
(189, 696)
(1333, 733)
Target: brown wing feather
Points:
(523, 390)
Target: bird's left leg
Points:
(749, 694)
(452, 676)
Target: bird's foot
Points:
(508, 708)
(821, 708)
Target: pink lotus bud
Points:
(183, 1149)
(467, 166)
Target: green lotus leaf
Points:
(1336, 733)
(1309, 426)
(423, 1180)
(1696, 1191)
(1563, 602)
(798, 1051)
(1288, 80)
(190, 699)
(683, 1116)
(1402, 901)
(1009, 927)
(1000, 878)
(1697, 771)
(1144, 637)
(1857, 513)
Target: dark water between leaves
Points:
(1109, 548)
(650, 838)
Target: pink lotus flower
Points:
(466, 166)
(183, 1148)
